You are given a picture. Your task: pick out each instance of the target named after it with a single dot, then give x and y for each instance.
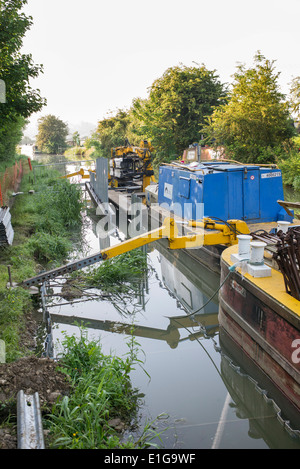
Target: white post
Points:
(244, 246)
(283, 226)
(257, 253)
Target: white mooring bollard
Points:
(244, 246)
(257, 252)
(256, 265)
(283, 226)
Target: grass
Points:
(43, 224)
(101, 386)
(101, 391)
(14, 306)
(117, 272)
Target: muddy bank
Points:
(30, 374)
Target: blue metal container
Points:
(222, 190)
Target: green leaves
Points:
(172, 117)
(176, 110)
(16, 70)
(255, 124)
(52, 133)
(101, 390)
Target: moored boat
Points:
(219, 193)
(259, 310)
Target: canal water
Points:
(195, 391)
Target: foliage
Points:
(40, 222)
(255, 125)
(124, 268)
(295, 96)
(16, 70)
(118, 280)
(76, 139)
(177, 107)
(47, 247)
(112, 132)
(52, 133)
(14, 306)
(171, 117)
(290, 168)
(10, 136)
(101, 390)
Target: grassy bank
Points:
(43, 222)
(100, 403)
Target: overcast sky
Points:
(99, 55)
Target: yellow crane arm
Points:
(78, 173)
(169, 230)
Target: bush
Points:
(291, 170)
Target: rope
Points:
(231, 270)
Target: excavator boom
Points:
(217, 234)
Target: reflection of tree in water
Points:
(121, 281)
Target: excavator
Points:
(131, 164)
(128, 165)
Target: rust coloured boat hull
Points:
(264, 330)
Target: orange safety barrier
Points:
(9, 182)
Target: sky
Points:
(99, 55)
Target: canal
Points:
(196, 388)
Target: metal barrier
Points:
(49, 347)
(30, 428)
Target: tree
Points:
(113, 131)
(255, 125)
(52, 133)
(16, 70)
(295, 98)
(76, 139)
(177, 107)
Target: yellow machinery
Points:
(79, 173)
(131, 165)
(206, 233)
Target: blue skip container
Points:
(222, 190)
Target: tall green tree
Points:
(16, 70)
(255, 125)
(175, 112)
(52, 134)
(295, 97)
(113, 131)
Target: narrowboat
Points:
(259, 306)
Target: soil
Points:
(30, 374)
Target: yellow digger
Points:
(131, 165)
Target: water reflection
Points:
(196, 379)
